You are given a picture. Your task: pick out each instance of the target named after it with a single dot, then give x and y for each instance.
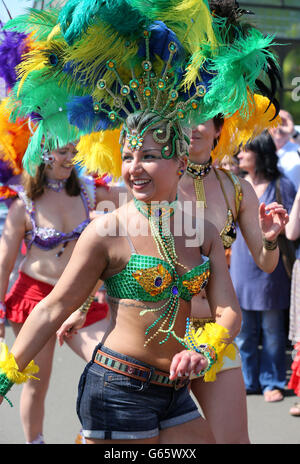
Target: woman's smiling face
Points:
(62, 165)
(148, 175)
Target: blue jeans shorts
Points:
(112, 406)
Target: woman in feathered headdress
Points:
(146, 68)
(50, 206)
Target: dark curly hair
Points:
(266, 157)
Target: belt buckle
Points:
(181, 382)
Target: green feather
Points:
(77, 15)
(191, 20)
(237, 66)
(45, 97)
(33, 156)
(38, 22)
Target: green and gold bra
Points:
(148, 278)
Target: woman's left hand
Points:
(272, 219)
(70, 326)
(185, 363)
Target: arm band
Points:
(86, 305)
(10, 373)
(210, 341)
(270, 245)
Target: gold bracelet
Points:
(270, 245)
(86, 305)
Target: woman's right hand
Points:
(185, 363)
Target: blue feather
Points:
(160, 38)
(81, 112)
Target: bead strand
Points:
(165, 245)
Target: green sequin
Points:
(125, 286)
(5, 386)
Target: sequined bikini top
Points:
(147, 278)
(228, 233)
(47, 238)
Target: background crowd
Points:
(270, 302)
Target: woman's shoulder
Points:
(228, 177)
(87, 186)
(17, 213)
(18, 206)
(249, 196)
(22, 202)
(107, 224)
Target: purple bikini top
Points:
(48, 238)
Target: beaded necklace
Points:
(198, 172)
(55, 184)
(157, 216)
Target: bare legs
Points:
(224, 405)
(193, 432)
(32, 403)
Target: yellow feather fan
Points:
(14, 139)
(238, 131)
(100, 152)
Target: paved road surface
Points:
(269, 423)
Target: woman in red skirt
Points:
(49, 214)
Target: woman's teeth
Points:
(140, 182)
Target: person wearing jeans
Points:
(263, 369)
(263, 297)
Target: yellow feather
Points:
(10, 368)
(237, 131)
(98, 46)
(198, 32)
(14, 138)
(215, 335)
(32, 61)
(100, 152)
(55, 31)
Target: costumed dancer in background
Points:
(14, 137)
(229, 199)
(50, 211)
(157, 275)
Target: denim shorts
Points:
(112, 406)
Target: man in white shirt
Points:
(288, 152)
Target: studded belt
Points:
(142, 373)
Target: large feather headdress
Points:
(116, 57)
